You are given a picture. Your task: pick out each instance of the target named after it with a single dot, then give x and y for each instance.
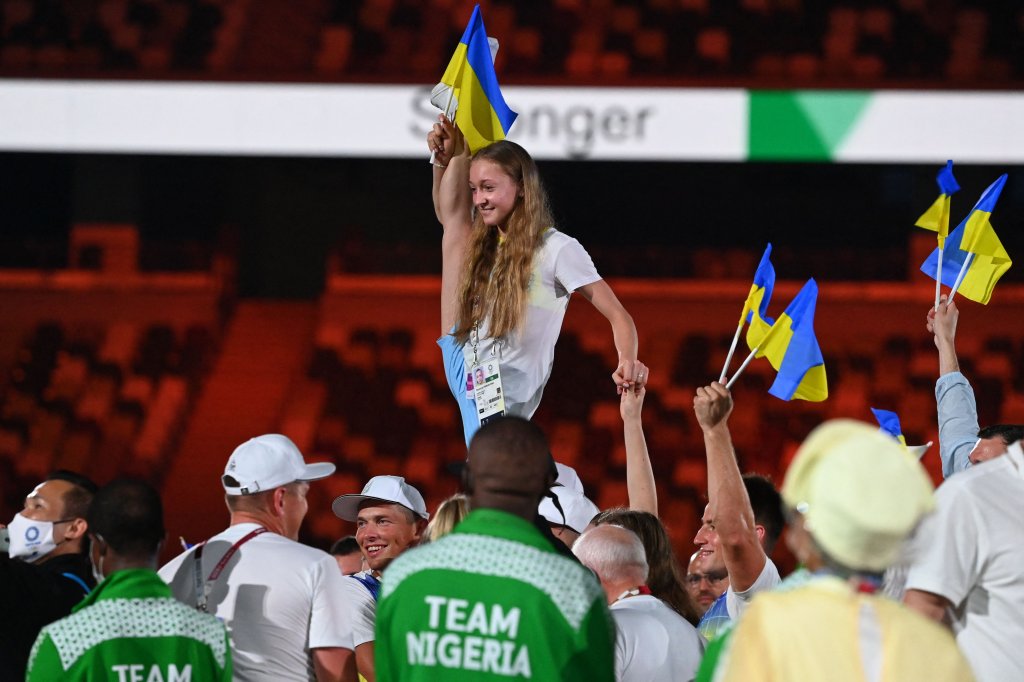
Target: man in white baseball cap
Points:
(282, 601)
(390, 517)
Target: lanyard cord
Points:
(474, 333)
(640, 589)
(203, 589)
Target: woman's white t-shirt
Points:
(560, 267)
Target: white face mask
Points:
(31, 539)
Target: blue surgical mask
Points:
(31, 539)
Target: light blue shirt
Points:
(958, 421)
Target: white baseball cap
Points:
(568, 477)
(578, 509)
(267, 462)
(389, 489)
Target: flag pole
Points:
(447, 114)
(938, 279)
(732, 350)
(960, 277)
(742, 367)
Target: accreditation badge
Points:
(490, 399)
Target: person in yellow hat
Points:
(852, 496)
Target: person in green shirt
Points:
(493, 599)
(130, 627)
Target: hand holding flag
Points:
(472, 92)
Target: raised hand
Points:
(712, 404)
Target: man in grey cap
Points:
(282, 601)
(390, 517)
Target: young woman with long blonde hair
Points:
(507, 275)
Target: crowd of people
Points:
(521, 575)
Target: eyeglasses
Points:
(712, 578)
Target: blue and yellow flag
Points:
(482, 115)
(792, 349)
(974, 235)
(936, 218)
(890, 423)
(755, 308)
(979, 236)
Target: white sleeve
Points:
(330, 624)
(623, 651)
(737, 602)
(947, 547)
(362, 610)
(573, 266)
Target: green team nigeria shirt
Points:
(130, 628)
(493, 600)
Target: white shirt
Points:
(278, 598)
(653, 643)
(560, 266)
(361, 607)
(737, 602)
(971, 551)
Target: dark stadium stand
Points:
(790, 41)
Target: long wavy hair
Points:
(664, 577)
(495, 281)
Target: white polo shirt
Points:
(653, 643)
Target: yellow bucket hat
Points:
(860, 493)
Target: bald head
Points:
(615, 554)
(509, 467)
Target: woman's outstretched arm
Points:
(630, 373)
(453, 209)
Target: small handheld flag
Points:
(973, 251)
(755, 307)
(936, 218)
(480, 110)
(792, 349)
(890, 423)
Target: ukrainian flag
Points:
(482, 115)
(793, 350)
(755, 308)
(974, 235)
(936, 218)
(890, 423)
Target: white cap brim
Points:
(346, 507)
(317, 470)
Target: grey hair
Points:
(615, 553)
